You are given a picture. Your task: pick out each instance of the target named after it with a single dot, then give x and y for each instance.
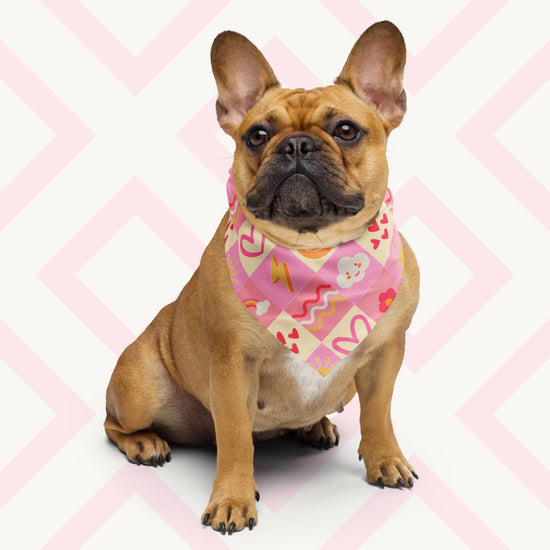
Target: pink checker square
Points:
(380, 296)
(351, 268)
(282, 276)
(258, 303)
(323, 360)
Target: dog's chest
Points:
(293, 394)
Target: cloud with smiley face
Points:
(351, 269)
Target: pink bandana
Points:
(319, 303)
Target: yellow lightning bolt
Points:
(279, 272)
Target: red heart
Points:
(374, 227)
(385, 235)
(375, 243)
(281, 338)
(294, 334)
(294, 348)
(384, 218)
(354, 339)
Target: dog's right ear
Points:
(242, 76)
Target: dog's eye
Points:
(345, 131)
(256, 137)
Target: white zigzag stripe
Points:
(315, 308)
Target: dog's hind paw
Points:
(146, 448)
(322, 435)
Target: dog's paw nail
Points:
(257, 496)
(415, 475)
(137, 458)
(251, 524)
(400, 483)
(411, 483)
(205, 519)
(232, 528)
(154, 461)
(360, 458)
(336, 442)
(380, 483)
(222, 528)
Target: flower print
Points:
(386, 299)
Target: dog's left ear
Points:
(374, 71)
(242, 76)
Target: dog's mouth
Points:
(299, 202)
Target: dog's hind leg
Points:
(135, 397)
(138, 394)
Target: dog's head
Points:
(310, 166)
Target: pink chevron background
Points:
(103, 223)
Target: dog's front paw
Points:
(388, 469)
(231, 508)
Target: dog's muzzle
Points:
(299, 186)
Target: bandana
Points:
(319, 303)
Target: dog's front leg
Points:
(385, 463)
(232, 397)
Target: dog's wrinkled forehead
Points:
(294, 110)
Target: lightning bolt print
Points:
(279, 272)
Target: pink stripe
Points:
(478, 414)
(421, 68)
(135, 71)
(453, 512)
(368, 518)
(449, 41)
(60, 274)
(72, 414)
(115, 493)
(490, 274)
(478, 135)
(71, 135)
(435, 494)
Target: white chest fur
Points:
(311, 384)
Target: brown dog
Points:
(309, 168)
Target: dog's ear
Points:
(242, 76)
(374, 71)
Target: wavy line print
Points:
(331, 312)
(315, 308)
(311, 301)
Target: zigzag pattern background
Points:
(112, 181)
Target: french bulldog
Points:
(302, 297)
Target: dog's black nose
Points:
(298, 144)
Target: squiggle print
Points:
(315, 308)
(328, 313)
(311, 301)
